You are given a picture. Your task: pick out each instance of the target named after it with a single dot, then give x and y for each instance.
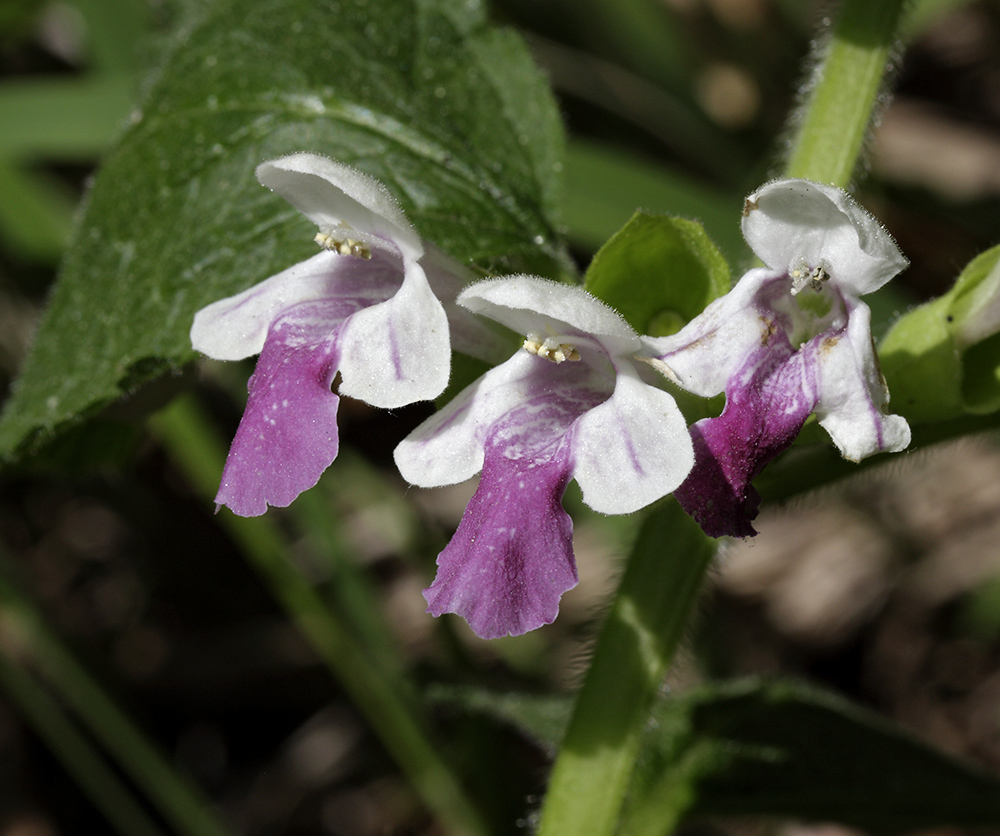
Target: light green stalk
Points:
(658, 592)
(845, 88)
(634, 649)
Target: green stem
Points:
(179, 802)
(77, 755)
(845, 91)
(634, 649)
(195, 447)
(658, 592)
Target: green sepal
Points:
(922, 365)
(659, 272)
(934, 362)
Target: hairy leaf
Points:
(449, 113)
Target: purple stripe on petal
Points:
(767, 403)
(512, 557)
(288, 434)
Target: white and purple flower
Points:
(790, 339)
(572, 404)
(363, 307)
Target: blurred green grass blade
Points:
(63, 118)
(115, 31)
(647, 32)
(604, 187)
(35, 214)
(922, 14)
(72, 749)
(671, 119)
(180, 803)
(197, 450)
(351, 593)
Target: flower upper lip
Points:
(336, 197)
(791, 222)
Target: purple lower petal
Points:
(767, 402)
(512, 557)
(288, 434)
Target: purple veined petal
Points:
(852, 393)
(288, 434)
(530, 305)
(511, 558)
(236, 327)
(786, 221)
(447, 448)
(397, 352)
(767, 403)
(333, 195)
(632, 449)
(713, 346)
(512, 555)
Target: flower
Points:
(362, 307)
(572, 404)
(790, 339)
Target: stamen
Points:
(804, 276)
(550, 349)
(343, 246)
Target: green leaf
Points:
(785, 749)
(922, 366)
(450, 114)
(659, 272)
(542, 718)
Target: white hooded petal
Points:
(787, 222)
(706, 352)
(333, 195)
(397, 352)
(470, 334)
(234, 328)
(852, 393)
(632, 449)
(530, 305)
(447, 448)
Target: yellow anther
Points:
(550, 350)
(343, 246)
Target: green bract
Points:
(942, 359)
(658, 272)
(451, 115)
